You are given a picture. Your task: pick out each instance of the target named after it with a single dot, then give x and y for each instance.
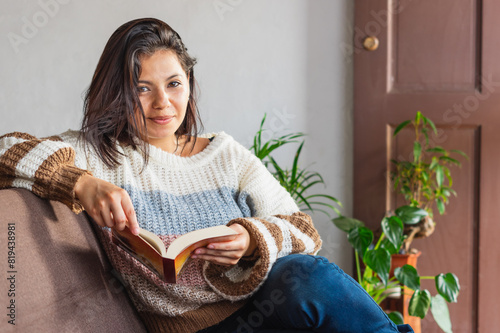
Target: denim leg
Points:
(312, 293)
(405, 329)
(308, 293)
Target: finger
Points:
(238, 244)
(118, 216)
(216, 253)
(218, 260)
(131, 218)
(106, 217)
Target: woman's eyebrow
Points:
(168, 78)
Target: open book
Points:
(150, 250)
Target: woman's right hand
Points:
(109, 205)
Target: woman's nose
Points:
(161, 100)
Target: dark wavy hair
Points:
(112, 99)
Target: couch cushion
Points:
(61, 280)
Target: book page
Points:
(218, 233)
(154, 240)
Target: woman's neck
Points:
(183, 146)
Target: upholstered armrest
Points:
(61, 280)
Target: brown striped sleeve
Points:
(304, 224)
(276, 236)
(19, 135)
(43, 166)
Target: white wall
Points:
(280, 57)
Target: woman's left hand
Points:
(230, 252)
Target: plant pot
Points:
(393, 292)
(399, 260)
(401, 304)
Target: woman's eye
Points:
(142, 89)
(175, 84)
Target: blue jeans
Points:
(306, 293)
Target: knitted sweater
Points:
(172, 195)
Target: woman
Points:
(138, 161)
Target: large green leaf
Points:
(419, 303)
(440, 205)
(431, 123)
(386, 244)
(380, 261)
(424, 131)
(401, 126)
(425, 176)
(439, 175)
(396, 317)
(437, 149)
(449, 159)
(449, 191)
(347, 223)
(360, 238)
(460, 152)
(434, 163)
(393, 230)
(410, 215)
(408, 276)
(448, 286)
(441, 314)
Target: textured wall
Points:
(287, 58)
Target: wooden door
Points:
(440, 57)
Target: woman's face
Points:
(163, 90)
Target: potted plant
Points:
(424, 179)
(425, 182)
(375, 254)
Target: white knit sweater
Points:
(172, 195)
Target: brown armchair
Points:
(61, 280)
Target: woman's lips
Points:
(161, 120)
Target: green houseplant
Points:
(425, 182)
(424, 179)
(299, 182)
(376, 257)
